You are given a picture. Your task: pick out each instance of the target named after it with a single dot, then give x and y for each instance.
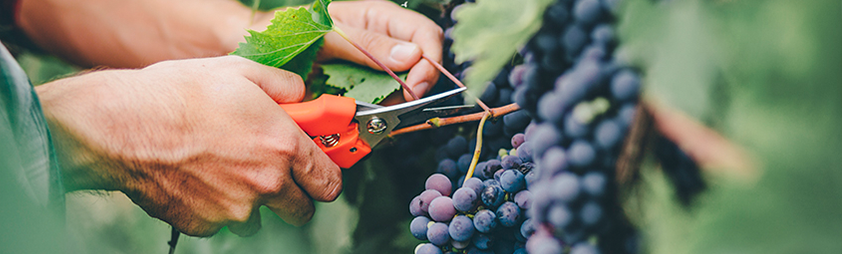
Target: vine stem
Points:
(439, 122)
(382, 66)
(478, 147)
(457, 82)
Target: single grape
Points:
(511, 162)
(594, 183)
(584, 248)
(459, 245)
(464, 163)
(457, 146)
(423, 202)
(516, 120)
(489, 168)
(448, 168)
(438, 234)
(591, 213)
(427, 248)
(474, 184)
(587, 11)
(626, 114)
(565, 187)
(518, 140)
(581, 154)
(574, 39)
(461, 228)
(441, 209)
(559, 216)
(440, 183)
(549, 137)
(603, 34)
(608, 134)
(574, 128)
(465, 199)
(551, 107)
(524, 152)
(482, 241)
(492, 194)
(554, 161)
(415, 207)
(543, 244)
(625, 85)
(418, 227)
(512, 181)
(527, 228)
(523, 199)
(530, 178)
(508, 214)
(498, 174)
(485, 220)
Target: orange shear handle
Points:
(329, 120)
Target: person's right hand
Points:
(200, 143)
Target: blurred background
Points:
(765, 74)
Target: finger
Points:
(249, 227)
(397, 55)
(292, 205)
(281, 85)
(421, 78)
(315, 172)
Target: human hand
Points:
(394, 35)
(200, 144)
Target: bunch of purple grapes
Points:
(486, 213)
(584, 101)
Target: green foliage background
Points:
(766, 74)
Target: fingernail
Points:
(403, 52)
(421, 89)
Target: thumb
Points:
(281, 85)
(396, 54)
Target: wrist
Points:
(82, 166)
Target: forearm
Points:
(120, 33)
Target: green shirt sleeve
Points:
(31, 195)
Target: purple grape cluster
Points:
(486, 213)
(583, 101)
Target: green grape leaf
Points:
(489, 32)
(291, 41)
(361, 83)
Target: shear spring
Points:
(330, 141)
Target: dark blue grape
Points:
(448, 168)
(485, 220)
(551, 107)
(456, 146)
(530, 178)
(608, 134)
(505, 97)
(527, 228)
(427, 248)
(498, 174)
(461, 228)
(593, 52)
(625, 85)
(516, 77)
(474, 184)
(584, 248)
(524, 152)
(490, 94)
(581, 154)
(508, 214)
(440, 183)
(492, 128)
(465, 199)
(549, 138)
(603, 34)
(489, 168)
(459, 245)
(591, 213)
(574, 128)
(441, 209)
(574, 39)
(418, 227)
(512, 181)
(565, 187)
(492, 194)
(523, 199)
(559, 216)
(438, 234)
(464, 163)
(511, 162)
(557, 14)
(587, 11)
(594, 183)
(626, 114)
(482, 241)
(516, 120)
(554, 161)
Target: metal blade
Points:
(375, 124)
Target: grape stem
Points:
(439, 122)
(478, 147)
(457, 82)
(382, 66)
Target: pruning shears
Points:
(346, 129)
